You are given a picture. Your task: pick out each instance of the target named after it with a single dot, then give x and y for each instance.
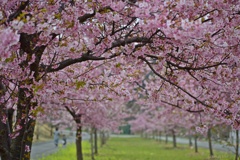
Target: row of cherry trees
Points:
(157, 122)
(167, 112)
(87, 57)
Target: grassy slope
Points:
(139, 149)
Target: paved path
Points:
(45, 148)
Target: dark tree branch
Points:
(141, 86)
(87, 56)
(68, 62)
(152, 56)
(192, 75)
(120, 29)
(86, 16)
(194, 68)
(177, 106)
(83, 18)
(18, 11)
(202, 15)
(92, 69)
(173, 84)
(113, 28)
(177, 58)
(70, 111)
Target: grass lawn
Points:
(139, 149)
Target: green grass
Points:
(139, 149)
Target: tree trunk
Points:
(166, 140)
(142, 134)
(79, 142)
(95, 142)
(4, 138)
(77, 118)
(159, 136)
(16, 141)
(237, 145)
(5, 130)
(190, 141)
(92, 144)
(210, 142)
(195, 144)
(103, 141)
(24, 128)
(174, 139)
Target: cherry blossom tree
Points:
(174, 39)
(85, 101)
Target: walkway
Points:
(45, 148)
